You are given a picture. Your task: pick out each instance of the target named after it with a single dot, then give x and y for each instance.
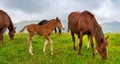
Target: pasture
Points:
(16, 51)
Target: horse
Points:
(45, 22)
(82, 23)
(6, 22)
(43, 30)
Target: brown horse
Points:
(5, 22)
(43, 30)
(85, 23)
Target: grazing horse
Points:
(5, 22)
(43, 30)
(85, 23)
(45, 22)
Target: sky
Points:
(20, 10)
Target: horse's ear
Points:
(57, 18)
(107, 37)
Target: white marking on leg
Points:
(88, 45)
(46, 41)
(30, 48)
(51, 47)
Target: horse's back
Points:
(86, 22)
(4, 19)
(73, 21)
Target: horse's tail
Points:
(22, 29)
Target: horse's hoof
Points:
(52, 53)
(78, 55)
(94, 56)
(31, 53)
(44, 53)
(74, 49)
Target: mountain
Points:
(111, 26)
(20, 25)
(107, 27)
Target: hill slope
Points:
(107, 27)
(111, 26)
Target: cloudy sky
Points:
(20, 10)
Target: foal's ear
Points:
(107, 37)
(57, 18)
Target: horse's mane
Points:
(43, 22)
(97, 30)
(48, 23)
(96, 27)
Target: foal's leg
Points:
(51, 43)
(80, 43)
(73, 39)
(46, 41)
(92, 44)
(30, 44)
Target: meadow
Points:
(16, 51)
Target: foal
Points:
(43, 30)
(43, 22)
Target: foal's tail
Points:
(22, 29)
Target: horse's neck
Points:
(11, 26)
(98, 33)
(51, 25)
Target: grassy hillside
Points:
(16, 51)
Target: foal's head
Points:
(102, 48)
(59, 23)
(12, 33)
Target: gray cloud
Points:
(104, 10)
(33, 6)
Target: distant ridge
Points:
(107, 27)
(111, 26)
(20, 25)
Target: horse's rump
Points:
(73, 21)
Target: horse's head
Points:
(102, 48)
(11, 33)
(59, 24)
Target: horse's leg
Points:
(59, 30)
(80, 43)
(1, 38)
(30, 44)
(88, 44)
(55, 30)
(1, 34)
(73, 39)
(92, 44)
(46, 41)
(51, 43)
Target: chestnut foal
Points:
(43, 30)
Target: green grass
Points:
(16, 51)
